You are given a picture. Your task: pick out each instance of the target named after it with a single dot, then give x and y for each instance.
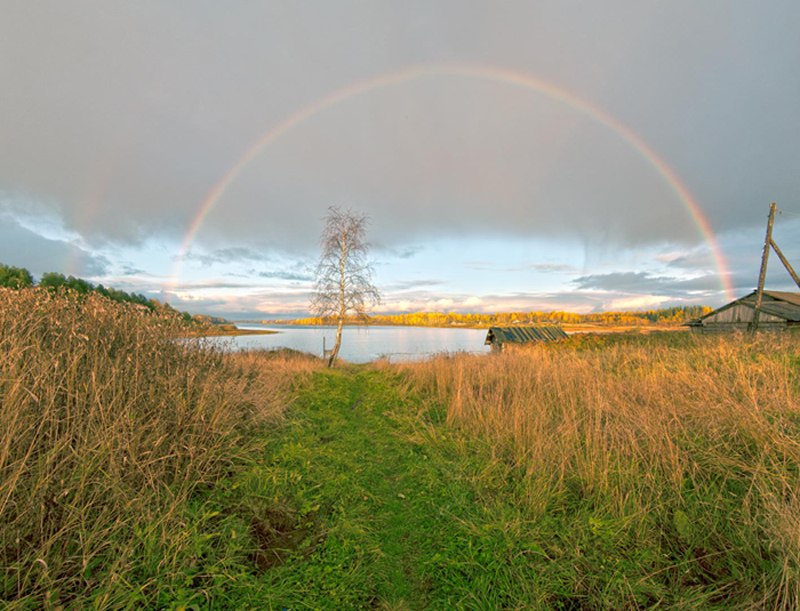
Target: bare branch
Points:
(344, 276)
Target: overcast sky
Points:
(511, 155)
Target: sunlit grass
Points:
(108, 427)
(667, 468)
(620, 472)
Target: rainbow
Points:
(498, 75)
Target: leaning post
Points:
(786, 263)
(762, 275)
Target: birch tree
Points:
(344, 277)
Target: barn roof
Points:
(792, 298)
(522, 335)
(777, 303)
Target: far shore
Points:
(232, 331)
(569, 328)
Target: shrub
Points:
(15, 277)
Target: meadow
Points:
(656, 471)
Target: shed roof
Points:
(522, 335)
(793, 298)
(777, 303)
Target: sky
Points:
(511, 156)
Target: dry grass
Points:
(686, 445)
(657, 471)
(107, 428)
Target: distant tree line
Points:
(54, 280)
(20, 278)
(664, 316)
(15, 277)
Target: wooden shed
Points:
(497, 337)
(779, 310)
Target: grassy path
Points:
(376, 508)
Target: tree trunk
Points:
(335, 351)
(342, 296)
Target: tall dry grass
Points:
(107, 428)
(678, 456)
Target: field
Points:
(656, 471)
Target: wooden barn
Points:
(498, 337)
(779, 310)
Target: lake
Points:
(363, 344)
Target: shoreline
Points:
(234, 332)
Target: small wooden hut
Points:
(779, 310)
(499, 337)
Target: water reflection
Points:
(361, 345)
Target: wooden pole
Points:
(762, 275)
(785, 263)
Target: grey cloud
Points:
(129, 270)
(561, 268)
(291, 268)
(128, 115)
(643, 283)
(701, 261)
(217, 284)
(554, 268)
(625, 281)
(406, 285)
(22, 247)
(406, 252)
(287, 276)
(742, 256)
(144, 284)
(234, 254)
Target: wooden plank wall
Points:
(740, 314)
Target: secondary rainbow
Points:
(489, 73)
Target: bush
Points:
(15, 277)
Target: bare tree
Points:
(343, 284)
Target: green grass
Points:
(365, 500)
(381, 491)
(658, 472)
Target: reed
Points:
(675, 458)
(108, 427)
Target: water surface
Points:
(364, 344)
